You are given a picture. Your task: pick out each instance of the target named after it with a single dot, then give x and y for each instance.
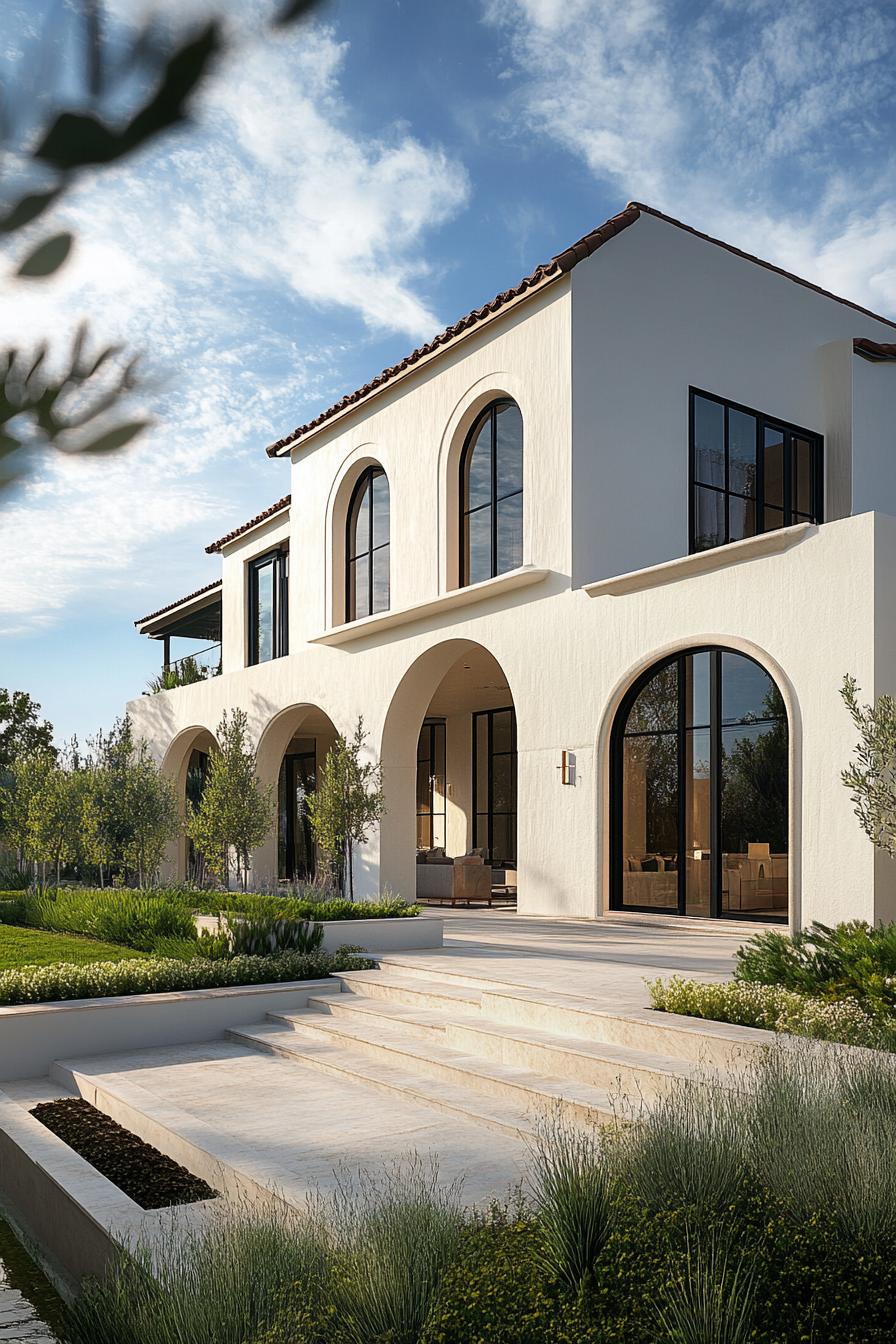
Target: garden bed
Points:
(20, 947)
(146, 1176)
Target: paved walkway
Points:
(605, 961)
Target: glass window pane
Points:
(264, 612)
(709, 442)
(510, 533)
(656, 707)
(748, 692)
(380, 505)
(772, 519)
(803, 493)
(437, 822)
(649, 853)
(696, 671)
(754, 819)
(381, 579)
(741, 453)
(359, 537)
(709, 519)
(359, 593)
(503, 839)
(438, 765)
(480, 833)
(741, 518)
(504, 783)
(478, 545)
(481, 727)
(478, 467)
(774, 467)
(502, 730)
(509, 449)
(698, 829)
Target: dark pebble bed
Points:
(151, 1179)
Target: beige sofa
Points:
(456, 881)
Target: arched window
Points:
(491, 479)
(367, 546)
(700, 790)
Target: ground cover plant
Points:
(35, 947)
(156, 975)
(832, 983)
(765, 1213)
(129, 918)
(150, 1178)
(312, 905)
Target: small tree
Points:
(45, 825)
(871, 776)
(235, 813)
(152, 813)
(108, 828)
(348, 800)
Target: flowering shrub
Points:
(851, 960)
(154, 975)
(774, 1008)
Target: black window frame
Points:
(763, 422)
(433, 729)
(489, 811)
(494, 500)
(279, 558)
(617, 791)
(362, 485)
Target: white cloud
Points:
(767, 125)
(211, 253)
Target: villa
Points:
(592, 565)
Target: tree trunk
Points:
(351, 870)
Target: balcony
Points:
(195, 618)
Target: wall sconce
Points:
(567, 767)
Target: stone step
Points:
(435, 993)
(634, 1074)
(446, 973)
(515, 1118)
(390, 1043)
(421, 1022)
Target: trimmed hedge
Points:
(294, 907)
(155, 975)
(773, 1008)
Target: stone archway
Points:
(291, 750)
(460, 689)
(182, 752)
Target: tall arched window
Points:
(700, 790)
(491, 480)
(367, 546)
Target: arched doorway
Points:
(449, 759)
(291, 753)
(186, 763)
(700, 790)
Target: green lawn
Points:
(37, 947)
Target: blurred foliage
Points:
(69, 401)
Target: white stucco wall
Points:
(600, 366)
(657, 311)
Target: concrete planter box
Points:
(403, 934)
(34, 1035)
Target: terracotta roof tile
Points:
(876, 351)
(253, 522)
(179, 603)
(542, 275)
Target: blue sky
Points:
(354, 185)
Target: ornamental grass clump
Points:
(394, 1239)
(571, 1195)
(130, 918)
(712, 1299)
(223, 1283)
(853, 960)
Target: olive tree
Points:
(871, 775)
(236, 812)
(347, 802)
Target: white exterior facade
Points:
(600, 361)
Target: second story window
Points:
(269, 606)
(491, 493)
(367, 546)
(750, 473)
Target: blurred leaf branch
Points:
(72, 400)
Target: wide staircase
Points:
(497, 1054)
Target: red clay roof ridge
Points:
(262, 517)
(876, 351)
